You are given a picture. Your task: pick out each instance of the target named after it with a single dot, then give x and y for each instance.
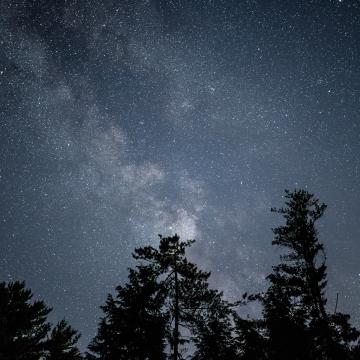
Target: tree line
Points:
(167, 310)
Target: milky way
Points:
(121, 120)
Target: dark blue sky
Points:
(124, 119)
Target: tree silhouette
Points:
(295, 315)
(24, 330)
(249, 341)
(167, 303)
(284, 322)
(186, 287)
(23, 325)
(61, 344)
(134, 326)
(165, 294)
(213, 335)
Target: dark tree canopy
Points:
(294, 306)
(175, 294)
(165, 293)
(186, 287)
(24, 330)
(213, 333)
(134, 326)
(168, 311)
(23, 323)
(249, 339)
(61, 344)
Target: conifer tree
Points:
(186, 287)
(249, 341)
(23, 325)
(134, 327)
(61, 344)
(165, 294)
(213, 335)
(285, 325)
(295, 315)
(24, 330)
(222, 334)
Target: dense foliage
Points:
(25, 333)
(167, 309)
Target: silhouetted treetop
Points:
(167, 310)
(24, 330)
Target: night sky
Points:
(121, 120)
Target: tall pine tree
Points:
(157, 311)
(186, 287)
(296, 319)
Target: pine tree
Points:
(213, 335)
(134, 328)
(186, 287)
(24, 330)
(164, 297)
(296, 319)
(23, 325)
(221, 334)
(249, 341)
(61, 344)
(284, 322)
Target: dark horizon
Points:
(123, 121)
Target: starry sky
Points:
(121, 120)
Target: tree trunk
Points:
(176, 315)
